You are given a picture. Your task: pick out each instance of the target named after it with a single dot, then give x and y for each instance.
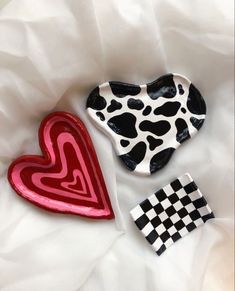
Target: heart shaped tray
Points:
(147, 123)
(67, 178)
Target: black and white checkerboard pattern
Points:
(171, 213)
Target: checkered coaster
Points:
(171, 213)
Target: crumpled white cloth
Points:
(52, 54)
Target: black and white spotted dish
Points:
(147, 123)
(171, 213)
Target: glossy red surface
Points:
(67, 178)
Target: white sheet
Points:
(52, 53)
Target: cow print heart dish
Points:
(147, 123)
(67, 178)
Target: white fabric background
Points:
(52, 54)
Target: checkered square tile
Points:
(171, 213)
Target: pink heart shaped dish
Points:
(67, 178)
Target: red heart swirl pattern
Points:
(67, 178)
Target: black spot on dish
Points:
(197, 123)
(147, 110)
(124, 125)
(124, 143)
(183, 110)
(168, 109)
(135, 156)
(181, 90)
(114, 105)
(121, 90)
(162, 87)
(182, 130)
(158, 128)
(136, 104)
(95, 101)
(100, 115)
(153, 142)
(195, 102)
(160, 159)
